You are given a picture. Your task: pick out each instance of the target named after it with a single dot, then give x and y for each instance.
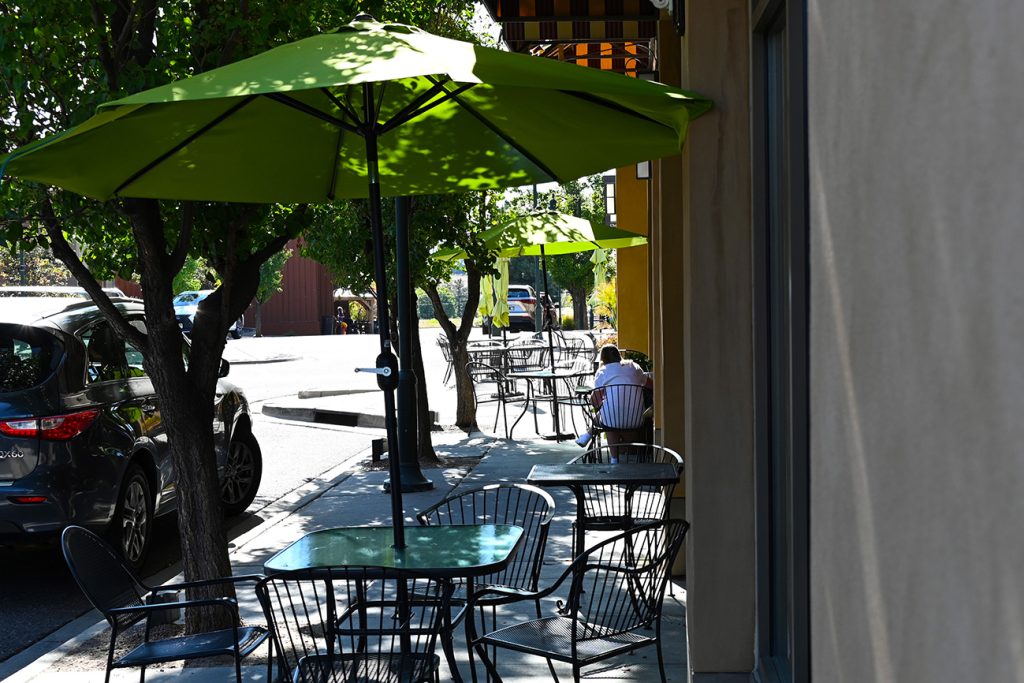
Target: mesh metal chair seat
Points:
(355, 624)
(506, 503)
(614, 603)
(124, 600)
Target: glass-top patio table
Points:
(456, 551)
(578, 476)
(462, 551)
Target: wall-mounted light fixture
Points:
(677, 10)
(643, 170)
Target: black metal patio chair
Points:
(446, 353)
(355, 624)
(621, 414)
(619, 507)
(614, 604)
(505, 503)
(491, 385)
(124, 600)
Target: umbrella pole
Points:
(557, 436)
(411, 476)
(387, 356)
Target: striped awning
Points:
(613, 35)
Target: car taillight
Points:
(27, 500)
(530, 300)
(53, 428)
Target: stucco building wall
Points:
(917, 321)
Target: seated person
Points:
(616, 371)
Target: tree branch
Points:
(64, 251)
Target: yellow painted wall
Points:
(633, 274)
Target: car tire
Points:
(236, 330)
(132, 528)
(240, 478)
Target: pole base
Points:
(414, 487)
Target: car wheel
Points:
(236, 330)
(240, 479)
(133, 519)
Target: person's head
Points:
(610, 354)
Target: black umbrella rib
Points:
(188, 140)
(345, 108)
(422, 104)
(503, 135)
(601, 102)
(310, 111)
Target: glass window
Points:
(27, 357)
(106, 354)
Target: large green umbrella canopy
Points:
(288, 125)
(372, 109)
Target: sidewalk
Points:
(347, 497)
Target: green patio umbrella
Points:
(369, 110)
(549, 232)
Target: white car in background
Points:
(187, 303)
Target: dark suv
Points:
(81, 439)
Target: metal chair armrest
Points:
(206, 582)
(228, 603)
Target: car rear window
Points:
(518, 294)
(27, 357)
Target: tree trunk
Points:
(579, 308)
(465, 410)
(186, 407)
(259, 318)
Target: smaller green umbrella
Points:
(494, 295)
(549, 233)
(500, 315)
(600, 261)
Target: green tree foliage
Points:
(59, 59)
(38, 265)
(271, 276)
(194, 274)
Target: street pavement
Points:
(352, 495)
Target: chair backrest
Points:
(523, 358)
(631, 453)
(106, 580)
(355, 624)
(506, 503)
(608, 503)
(622, 406)
(619, 585)
(483, 373)
(446, 348)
